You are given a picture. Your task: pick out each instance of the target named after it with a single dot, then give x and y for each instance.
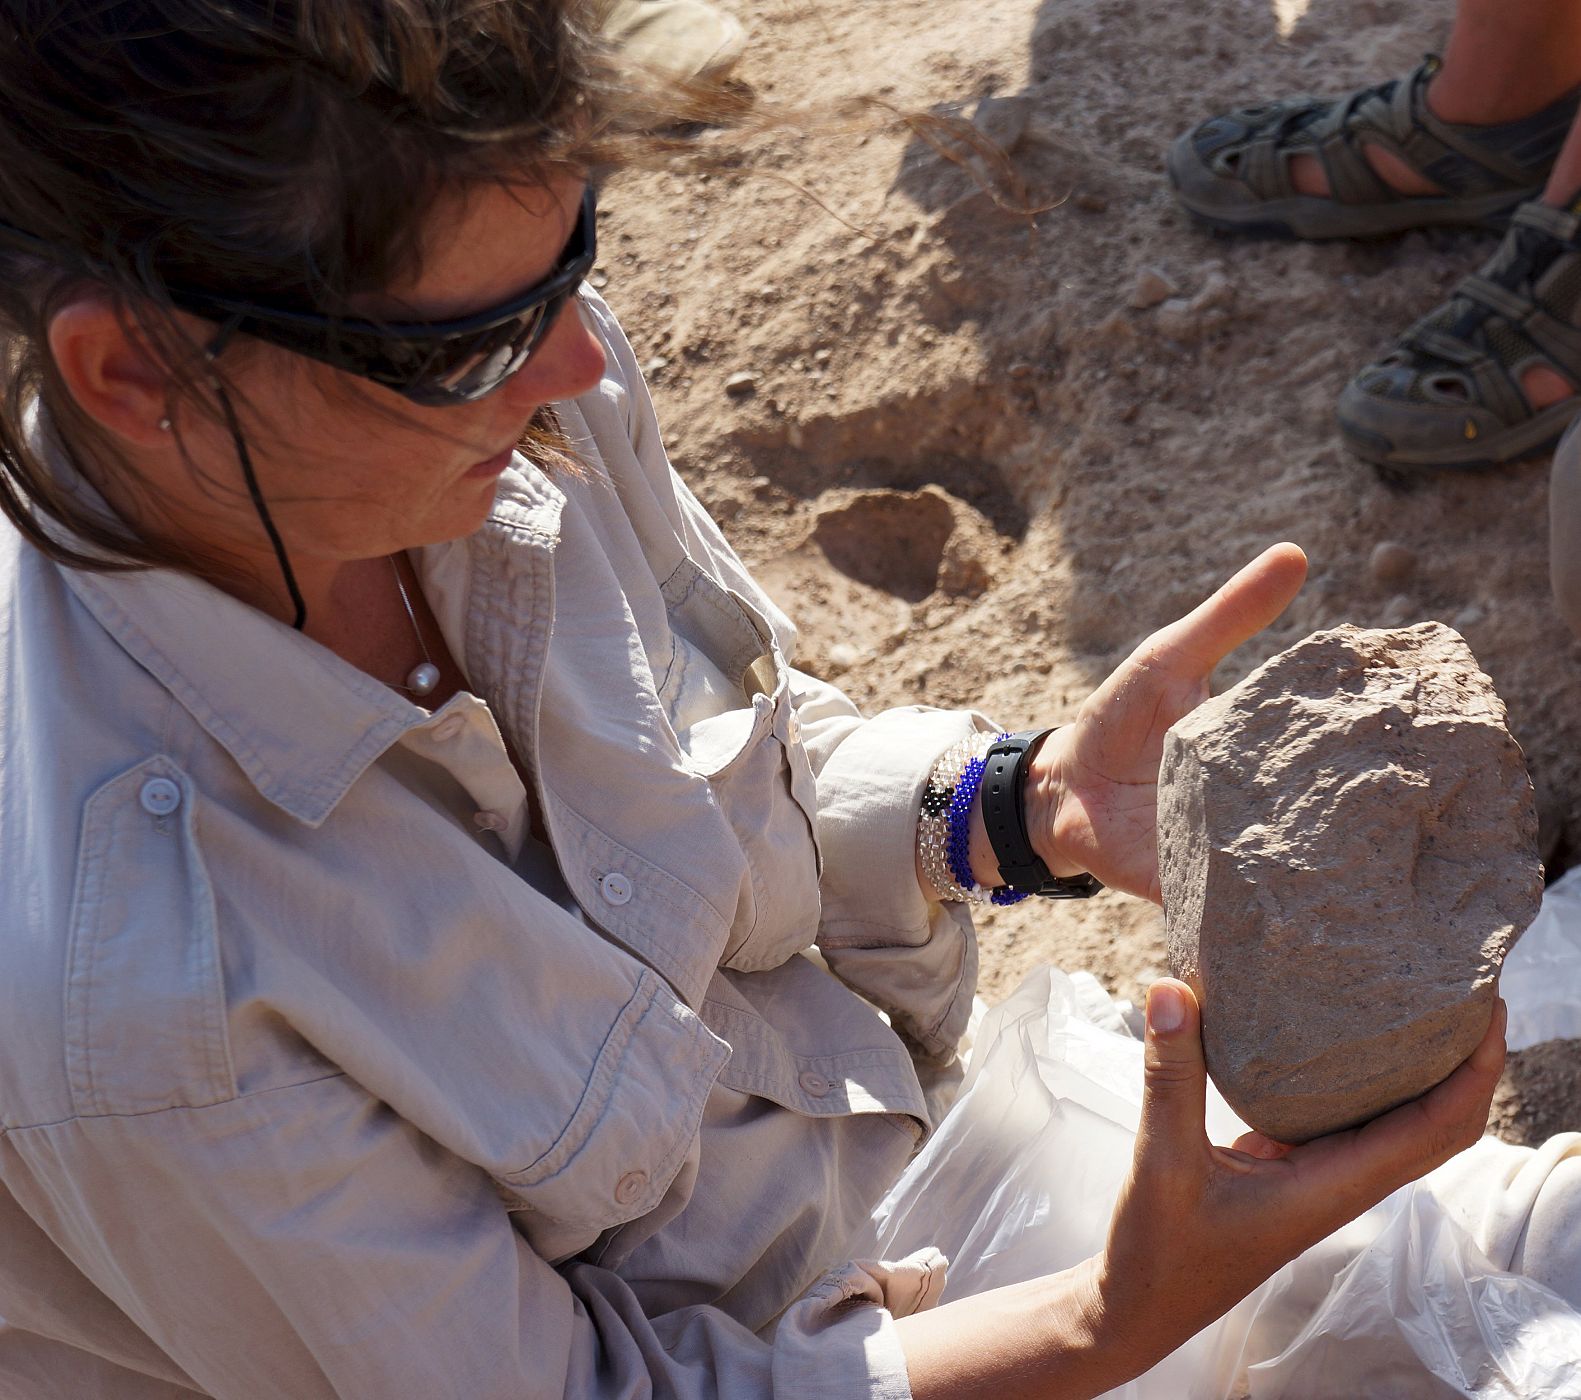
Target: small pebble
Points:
(654, 365)
(1216, 294)
(1391, 562)
(1152, 287)
(741, 383)
(1176, 319)
(843, 654)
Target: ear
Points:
(110, 372)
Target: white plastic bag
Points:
(1402, 1303)
(1541, 981)
(1020, 1179)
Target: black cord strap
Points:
(251, 478)
(1004, 814)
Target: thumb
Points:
(1174, 1094)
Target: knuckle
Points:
(1169, 1074)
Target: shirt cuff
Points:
(840, 1341)
(913, 957)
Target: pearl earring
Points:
(164, 425)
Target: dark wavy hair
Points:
(277, 149)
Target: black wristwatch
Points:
(1004, 813)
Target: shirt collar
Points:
(302, 723)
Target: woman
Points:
(410, 845)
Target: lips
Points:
(493, 466)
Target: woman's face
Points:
(351, 470)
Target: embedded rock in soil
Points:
(1347, 846)
(1151, 287)
(1391, 562)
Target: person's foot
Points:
(1490, 376)
(1376, 161)
(1541, 385)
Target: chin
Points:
(464, 517)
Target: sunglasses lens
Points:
(460, 373)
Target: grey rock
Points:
(741, 383)
(1217, 293)
(1347, 847)
(1151, 287)
(1391, 562)
(1003, 120)
(1176, 319)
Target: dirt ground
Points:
(975, 472)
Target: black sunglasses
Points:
(426, 362)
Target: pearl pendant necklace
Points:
(423, 677)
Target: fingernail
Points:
(1166, 1008)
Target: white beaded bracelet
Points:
(933, 822)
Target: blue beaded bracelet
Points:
(960, 843)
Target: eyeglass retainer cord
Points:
(211, 354)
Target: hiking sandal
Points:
(1233, 172)
(1449, 394)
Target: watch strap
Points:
(1004, 815)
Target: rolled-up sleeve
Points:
(308, 1242)
(914, 957)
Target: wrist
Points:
(1049, 812)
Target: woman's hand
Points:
(1091, 796)
(1197, 1227)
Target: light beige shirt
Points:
(319, 1078)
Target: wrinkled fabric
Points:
(309, 1087)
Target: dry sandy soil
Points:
(975, 472)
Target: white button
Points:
(160, 797)
(813, 1083)
(630, 1186)
(794, 730)
(615, 887)
(489, 821)
(449, 727)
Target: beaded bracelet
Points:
(944, 824)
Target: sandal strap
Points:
(1511, 305)
(1563, 224)
(1423, 137)
(1338, 139)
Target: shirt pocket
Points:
(753, 759)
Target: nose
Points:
(569, 361)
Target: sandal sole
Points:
(1533, 438)
(1317, 219)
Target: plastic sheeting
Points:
(1541, 982)
(1020, 1179)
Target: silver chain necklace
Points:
(422, 678)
